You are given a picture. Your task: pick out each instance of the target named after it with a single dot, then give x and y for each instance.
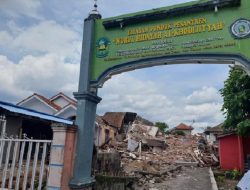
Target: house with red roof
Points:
(59, 105)
(186, 129)
(34, 115)
(17, 121)
(63, 106)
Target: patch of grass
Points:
(220, 179)
(233, 174)
(236, 174)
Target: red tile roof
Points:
(183, 126)
(114, 118)
(118, 119)
(49, 102)
(100, 120)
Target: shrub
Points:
(220, 179)
(233, 174)
(236, 174)
(179, 133)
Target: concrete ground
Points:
(188, 179)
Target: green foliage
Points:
(220, 179)
(168, 132)
(236, 174)
(162, 126)
(243, 128)
(236, 106)
(181, 133)
(233, 174)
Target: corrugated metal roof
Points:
(17, 109)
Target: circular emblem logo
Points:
(241, 28)
(102, 47)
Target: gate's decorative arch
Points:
(204, 31)
(210, 31)
(209, 58)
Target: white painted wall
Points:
(61, 102)
(67, 113)
(100, 134)
(37, 105)
(211, 138)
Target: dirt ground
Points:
(188, 179)
(227, 184)
(224, 183)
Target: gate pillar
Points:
(61, 156)
(86, 113)
(87, 101)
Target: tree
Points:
(162, 126)
(236, 105)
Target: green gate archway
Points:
(205, 31)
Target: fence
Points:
(23, 163)
(29, 164)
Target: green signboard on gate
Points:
(203, 29)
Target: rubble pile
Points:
(153, 156)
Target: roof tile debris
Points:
(117, 119)
(114, 118)
(157, 157)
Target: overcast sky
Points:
(40, 46)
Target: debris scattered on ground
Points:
(152, 156)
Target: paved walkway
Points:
(189, 179)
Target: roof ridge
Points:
(43, 98)
(68, 105)
(63, 94)
(25, 99)
(57, 107)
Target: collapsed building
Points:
(142, 152)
